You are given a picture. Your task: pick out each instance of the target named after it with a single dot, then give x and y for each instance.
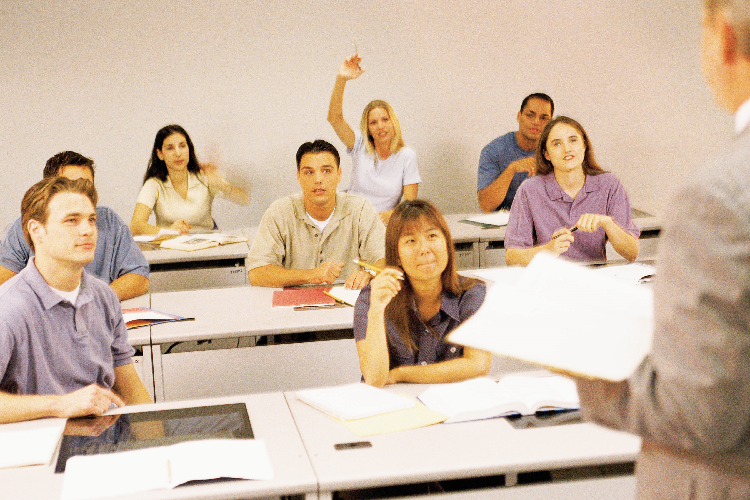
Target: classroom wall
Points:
(250, 81)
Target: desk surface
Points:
(451, 451)
(238, 312)
(271, 421)
(222, 252)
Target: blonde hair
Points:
(396, 143)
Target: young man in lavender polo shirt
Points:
(63, 343)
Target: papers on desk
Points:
(481, 398)
(495, 219)
(145, 238)
(191, 242)
(131, 472)
(563, 315)
(353, 401)
(344, 295)
(302, 297)
(634, 273)
(30, 443)
(136, 317)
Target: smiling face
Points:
(319, 174)
(423, 251)
(69, 235)
(380, 126)
(174, 152)
(565, 148)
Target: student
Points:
(314, 236)
(402, 317)
(118, 260)
(383, 169)
(508, 160)
(64, 348)
(178, 189)
(570, 193)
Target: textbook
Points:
(189, 242)
(302, 297)
(565, 316)
(354, 401)
(482, 398)
(136, 317)
(97, 476)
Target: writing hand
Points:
(327, 272)
(90, 400)
(561, 240)
(180, 226)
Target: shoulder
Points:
(351, 203)
(501, 142)
(283, 208)
(106, 217)
(14, 234)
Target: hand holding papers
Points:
(565, 316)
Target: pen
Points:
(368, 267)
(572, 230)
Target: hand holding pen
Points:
(561, 240)
(384, 286)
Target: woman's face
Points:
(423, 251)
(380, 126)
(175, 152)
(565, 148)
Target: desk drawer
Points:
(197, 275)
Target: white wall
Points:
(250, 81)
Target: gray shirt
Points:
(49, 346)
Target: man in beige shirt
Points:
(313, 237)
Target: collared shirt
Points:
(116, 252)
(288, 238)
(541, 207)
(495, 158)
(382, 183)
(431, 347)
(49, 346)
(168, 206)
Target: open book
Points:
(136, 317)
(482, 398)
(189, 242)
(353, 401)
(129, 472)
(563, 315)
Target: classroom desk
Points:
(478, 247)
(140, 338)
(213, 267)
(271, 421)
(580, 456)
(218, 353)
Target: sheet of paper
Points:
(343, 294)
(499, 218)
(411, 418)
(632, 273)
(354, 401)
(565, 316)
(30, 443)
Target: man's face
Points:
(74, 172)
(318, 175)
(69, 236)
(711, 56)
(533, 118)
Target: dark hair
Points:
(156, 167)
(56, 163)
(543, 97)
(315, 147)
(544, 166)
(405, 216)
(35, 203)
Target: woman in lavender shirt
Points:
(572, 207)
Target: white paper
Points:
(632, 273)
(353, 401)
(345, 295)
(499, 218)
(152, 237)
(29, 443)
(565, 316)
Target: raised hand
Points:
(350, 69)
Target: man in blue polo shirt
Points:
(118, 260)
(64, 348)
(508, 160)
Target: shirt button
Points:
(423, 363)
(453, 349)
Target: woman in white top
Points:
(383, 168)
(178, 189)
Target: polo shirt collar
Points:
(298, 201)
(554, 191)
(46, 295)
(448, 305)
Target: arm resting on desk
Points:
(130, 285)
(89, 400)
(276, 276)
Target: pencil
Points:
(572, 230)
(368, 267)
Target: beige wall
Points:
(250, 81)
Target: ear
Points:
(158, 153)
(518, 117)
(36, 230)
(546, 156)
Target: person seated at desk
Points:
(402, 317)
(383, 169)
(179, 190)
(509, 160)
(570, 193)
(314, 237)
(64, 348)
(118, 260)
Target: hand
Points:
(560, 242)
(180, 226)
(357, 279)
(591, 222)
(90, 400)
(89, 426)
(527, 165)
(384, 287)
(350, 69)
(386, 216)
(327, 272)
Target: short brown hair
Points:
(35, 203)
(60, 160)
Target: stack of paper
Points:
(30, 443)
(494, 219)
(142, 316)
(353, 401)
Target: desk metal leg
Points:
(511, 479)
(322, 495)
(158, 373)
